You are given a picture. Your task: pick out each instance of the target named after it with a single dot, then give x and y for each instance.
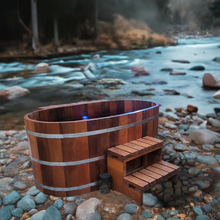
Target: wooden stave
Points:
(128, 133)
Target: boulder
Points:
(149, 199)
(13, 92)
(52, 210)
(139, 71)
(217, 95)
(42, 68)
(69, 208)
(87, 208)
(177, 73)
(26, 203)
(197, 68)
(203, 136)
(209, 81)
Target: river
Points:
(66, 83)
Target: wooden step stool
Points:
(137, 166)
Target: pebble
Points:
(180, 147)
(215, 123)
(33, 188)
(42, 215)
(20, 185)
(173, 212)
(170, 126)
(149, 199)
(26, 203)
(71, 198)
(53, 211)
(95, 216)
(35, 192)
(207, 147)
(5, 184)
(32, 211)
(147, 215)
(197, 210)
(131, 208)
(69, 208)
(207, 208)
(125, 216)
(6, 212)
(165, 214)
(209, 160)
(203, 184)
(11, 198)
(41, 198)
(18, 212)
(79, 201)
(160, 218)
(202, 217)
(69, 217)
(58, 204)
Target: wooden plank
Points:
(140, 184)
(141, 144)
(156, 170)
(118, 153)
(146, 141)
(168, 164)
(154, 175)
(145, 178)
(132, 151)
(163, 167)
(137, 147)
(153, 139)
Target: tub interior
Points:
(89, 110)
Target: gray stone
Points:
(4, 184)
(160, 218)
(79, 201)
(203, 184)
(173, 218)
(6, 212)
(69, 217)
(0, 202)
(53, 211)
(71, 198)
(193, 189)
(147, 215)
(58, 204)
(35, 192)
(197, 210)
(166, 157)
(95, 216)
(20, 185)
(202, 217)
(69, 208)
(173, 212)
(193, 171)
(170, 126)
(26, 203)
(218, 158)
(11, 198)
(33, 188)
(149, 199)
(209, 160)
(207, 208)
(193, 148)
(42, 215)
(215, 123)
(32, 211)
(165, 214)
(131, 208)
(180, 147)
(41, 198)
(18, 212)
(207, 147)
(124, 216)
(183, 127)
(217, 145)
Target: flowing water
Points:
(66, 83)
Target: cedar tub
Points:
(68, 143)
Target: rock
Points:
(197, 210)
(26, 203)
(208, 147)
(180, 147)
(35, 192)
(160, 218)
(79, 201)
(149, 199)
(215, 123)
(87, 208)
(69, 208)
(193, 189)
(170, 126)
(18, 212)
(124, 216)
(26, 165)
(198, 193)
(176, 73)
(112, 82)
(71, 198)
(141, 93)
(32, 189)
(58, 204)
(191, 108)
(147, 215)
(173, 218)
(96, 56)
(173, 212)
(180, 61)
(207, 208)
(70, 217)
(218, 158)
(6, 212)
(19, 185)
(41, 198)
(217, 95)
(209, 160)
(203, 136)
(131, 208)
(183, 127)
(11, 198)
(202, 217)
(209, 81)
(216, 59)
(52, 210)
(4, 184)
(171, 92)
(42, 68)
(139, 71)
(165, 214)
(203, 184)
(13, 92)
(207, 198)
(95, 216)
(197, 68)
(42, 215)
(193, 171)
(167, 69)
(32, 211)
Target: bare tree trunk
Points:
(56, 33)
(35, 41)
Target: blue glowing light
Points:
(85, 117)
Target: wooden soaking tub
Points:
(68, 151)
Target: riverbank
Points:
(195, 196)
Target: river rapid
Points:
(67, 84)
